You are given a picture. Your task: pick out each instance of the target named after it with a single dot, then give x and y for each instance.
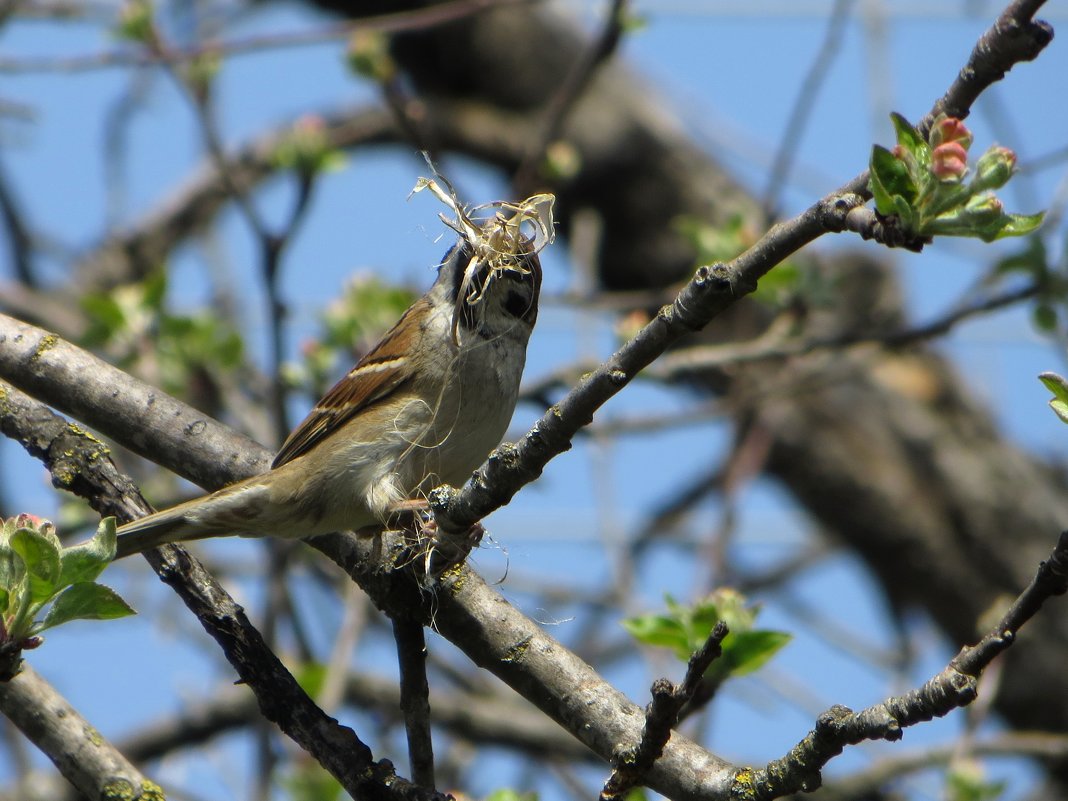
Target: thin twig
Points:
(771, 347)
(272, 243)
(415, 698)
(561, 103)
(704, 357)
(196, 203)
(804, 103)
(868, 782)
(415, 20)
(661, 716)
(953, 687)
(20, 242)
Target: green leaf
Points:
(1059, 387)
(85, 601)
(661, 631)
(155, 289)
(135, 21)
(1020, 224)
(905, 213)
(12, 568)
(40, 553)
(508, 794)
(890, 181)
(909, 139)
(86, 561)
(685, 629)
(1032, 260)
(1044, 316)
(719, 242)
(777, 286)
(311, 676)
(307, 148)
(1055, 384)
(965, 781)
(748, 651)
(368, 55)
(310, 782)
(884, 203)
(106, 317)
(943, 198)
(1060, 408)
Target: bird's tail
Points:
(234, 510)
(161, 528)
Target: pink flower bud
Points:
(949, 162)
(950, 129)
(312, 124)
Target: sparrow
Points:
(424, 407)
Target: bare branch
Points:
(555, 113)
(954, 687)
(20, 244)
(145, 244)
(687, 361)
(482, 718)
(420, 19)
(148, 421)
(661, 716)
(415, 698)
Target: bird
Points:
(423, 407)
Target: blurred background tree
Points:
(861, 448)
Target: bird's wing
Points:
(378, 375)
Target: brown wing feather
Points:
(375, 377)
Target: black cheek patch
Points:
(517, 304)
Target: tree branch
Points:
(420, 19)
(661, 716)
(578, 78)
(415, 698)
(954, 687)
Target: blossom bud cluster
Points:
(922, 183)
